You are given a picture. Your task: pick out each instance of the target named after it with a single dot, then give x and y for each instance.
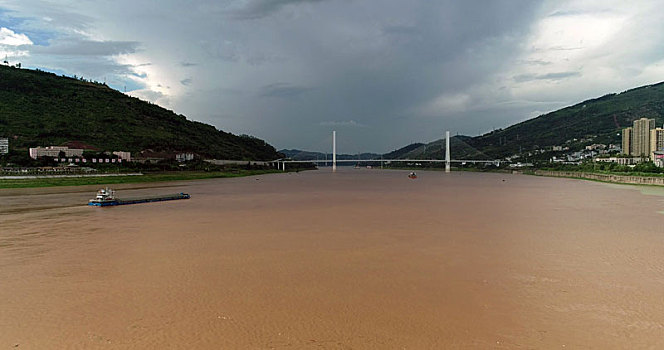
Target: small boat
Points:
(106, 197)
(412, 175)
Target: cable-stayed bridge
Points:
(281, 163)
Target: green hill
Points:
(597, 120)
(459, 147)
(40, 109)
(297, 154)
(403, 151)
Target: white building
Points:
(126, 156)
(54, 151)
(183, 157)
(658, 158)
(4, 145)
(595, 147)
(620, 160)
(521, 165)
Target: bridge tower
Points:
(334, 151)
(447, 151)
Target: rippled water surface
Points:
(357, 259)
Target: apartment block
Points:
(641, 138)
(627, 140)
(656, 141)
(4, 145)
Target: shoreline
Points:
(635, 180)
(606, 178)
(33, 177)
(135, 178)
(126, 179)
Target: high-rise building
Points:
(627, 140)
(641, 137)
(656, 141)
(4, 145)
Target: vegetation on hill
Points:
(598, 120)
(40, 109)
(460, 149)
(401, 152)
(297, 154)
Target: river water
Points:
(362, 259)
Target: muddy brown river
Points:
(358, 259)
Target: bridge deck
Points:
(391, 160)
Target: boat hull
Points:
(119, 201)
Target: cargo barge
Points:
(106, 197)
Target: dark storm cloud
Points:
(233, 52)
(372, 63)
(401, 30)
(343, 123)
(442, 53)
(89, 48)
(375, 63)
(385, 72)
(283, 90)
(103, 70)
(255, 9)
(548, 76)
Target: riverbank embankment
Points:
(613, 178)
(106, 179)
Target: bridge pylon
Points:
(447, 151)
(334, 151)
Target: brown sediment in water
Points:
(356, 259)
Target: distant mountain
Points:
(40, 109)
(432, 150)
(402, 153)
(436, 150)
(598, 120)
(297, 154)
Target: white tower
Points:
(447, 151)
(334, 151)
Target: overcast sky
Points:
(383, 73)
